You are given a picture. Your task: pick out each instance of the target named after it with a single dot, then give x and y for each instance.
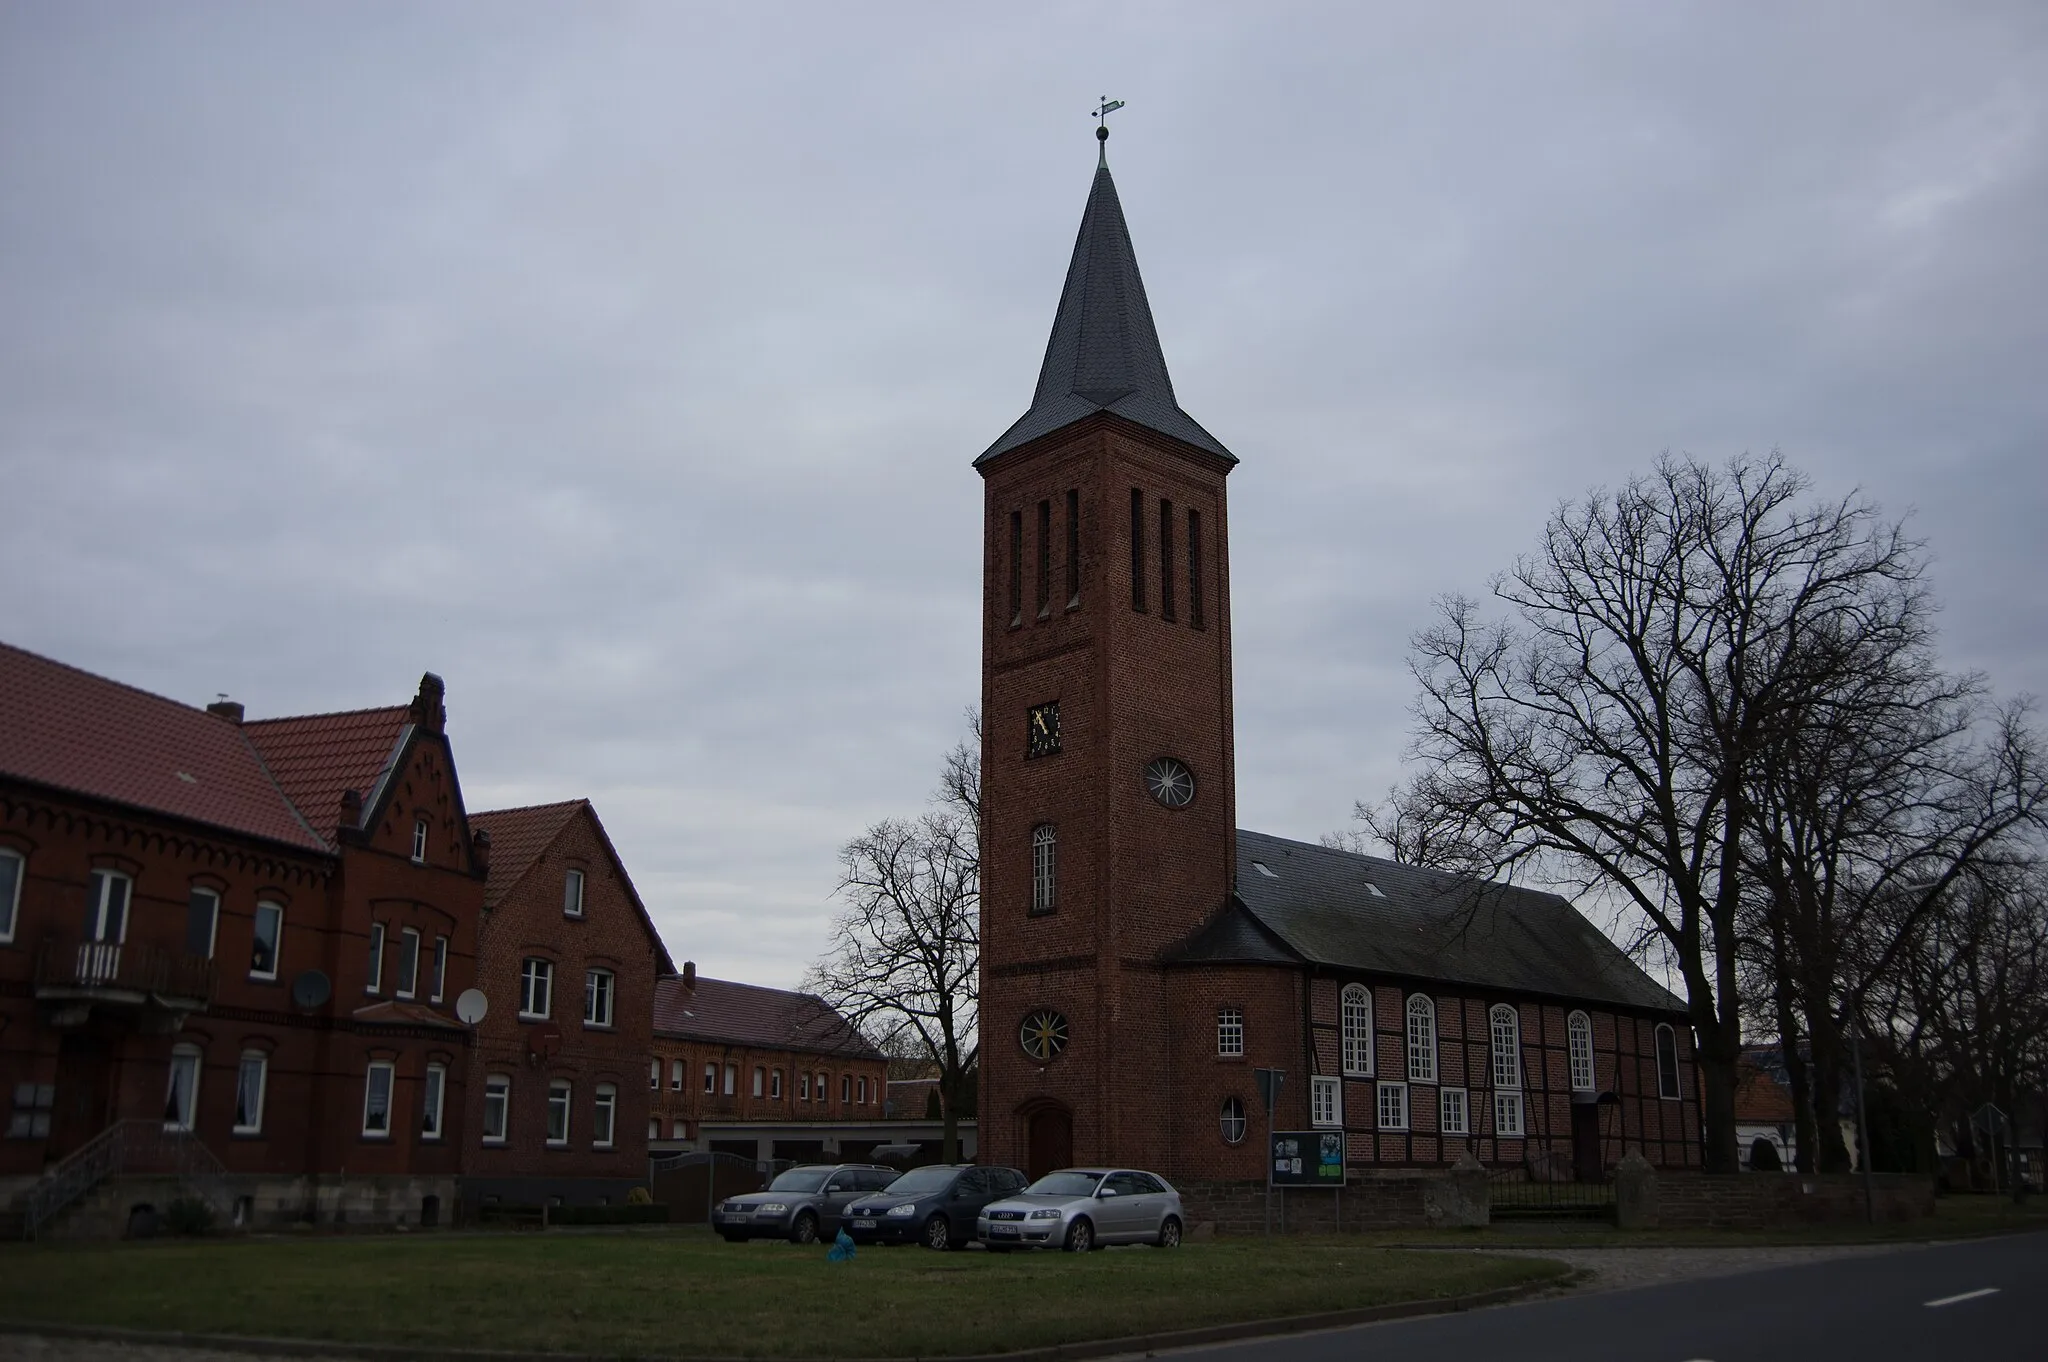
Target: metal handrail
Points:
(138, 1144)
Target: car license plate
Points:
(863, 1224)
(1003, 1232)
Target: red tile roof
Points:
(518, 837)
(72, 730)
(1760, 1098)
(747, 1014)
(317, 756)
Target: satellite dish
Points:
(471, 1006)
(311, 989)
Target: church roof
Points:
(1303, 903)
(1104, 352)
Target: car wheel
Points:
(937, 1233)
(1169, 1233)
(805, 1230)
(1080, 1236)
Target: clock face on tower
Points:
(1042, 735)
(1170, 782)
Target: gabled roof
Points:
(519, 837)
(726, 1013)
(1338, 908)
(315, 757)
(71, 730)
(1104, 351)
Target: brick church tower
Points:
(1109, 802)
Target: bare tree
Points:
(905, 956)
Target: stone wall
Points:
(1373, 1200)
(1653, 1199)
(255, 1202)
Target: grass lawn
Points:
(682, 1292)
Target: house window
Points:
(536, 987)
(559, 1095)
(497, 1107)
(1667, 1063)
(597, 997)
(675, 1075)
(13, 870)
(604, 1116)
(1232, 1121)
(106, 908)
(377, 1100)
(1579, 1029)
(1230, 1032)
(269, 936)
(202, 916)
(408, 962)
(732, 1079)
(710, 1079)
(679, 1130)
(419, 839)
(1507, 1115)
(1451, 1118)
(760, 1080)
(803, 1087)
(824, 1092)
(1421, 1040)
(1393, 1106)
(181, 1092)
(1326, 1101)
(376, 981)
(431, 1098)
(775, 1086)
(250, 1080)
(654, 1075)
(1506, 1029)
(1356, 1009)
(33, 1103)
(845, 1089)
(1044, 849)
(572, 894)
(654, 1127)
(440, 966)
(860, 1090)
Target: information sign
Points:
(1306, 1158)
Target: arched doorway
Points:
(1048, 1139)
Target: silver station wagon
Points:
(1078, 1209)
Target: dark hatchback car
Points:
(935, 1206)
(803, 1204)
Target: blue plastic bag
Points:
(842, 1248)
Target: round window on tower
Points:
(1169, 781)
(1043, 1035)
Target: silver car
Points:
(1078, 1209)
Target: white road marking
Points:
(1965, 1296)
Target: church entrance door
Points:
(1048, 1140)
(1587, 1164)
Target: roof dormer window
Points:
(572, 894)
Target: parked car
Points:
(1078, 1209)
(803, 1204)
(936, 1205)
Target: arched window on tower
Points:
(1355, 1006)
(1044, 867)
(1421, 1040)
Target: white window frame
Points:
(1504, 1045)
(212, 927)
(276, 912)
(1354, 1011)
(1045, 868)
(561, 1100)
(600, 998)
(572, 893)
(845, 1090)
(760, 1080)
(190, 1059)
(654, 1074)
(262, 1064)
(1578, 1030)
(1326, 1101)
(604, 1116)
(803, 1085)
(775, 1085)
(732, 1080)
(1231, 1116)
(390, 1073)
(710, 1080)
(1230, 1033)
(440, 968)
(676, 1074)
(420, 833)
(1510, 1118)
(11, 901)
(497, 1093)
(653, 1127)
(408, 982)
(679, 1129)
(1677, 1092)
(375, 984)
(100, 888)
(433, 1101)
(824, 1090)
(1453, 1112)
(860, 1091)
(536, 981)
(1421, 1026)
(1392, 1105)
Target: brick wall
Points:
(1379, 1200)
(854, 1088)
(1748, 1201)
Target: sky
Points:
(624, 364)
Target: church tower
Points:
(1109, 802)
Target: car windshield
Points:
(800, 1180)
(919, 1181)
(1064, 1184)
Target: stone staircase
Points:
(130, 1162)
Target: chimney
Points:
(480, 851)
(690, 975)
(231, 710)
(352, 808)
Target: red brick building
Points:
(1141, 956)
(246, 935)
(568, 961)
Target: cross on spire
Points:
(1102, 113)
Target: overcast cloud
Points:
(624, 364)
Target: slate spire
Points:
(1104, 353)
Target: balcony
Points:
(137, 978)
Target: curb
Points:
(1055, 1352)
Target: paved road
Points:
(1863, 1309)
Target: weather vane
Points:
(1108, 107)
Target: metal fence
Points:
(1519, 1196)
